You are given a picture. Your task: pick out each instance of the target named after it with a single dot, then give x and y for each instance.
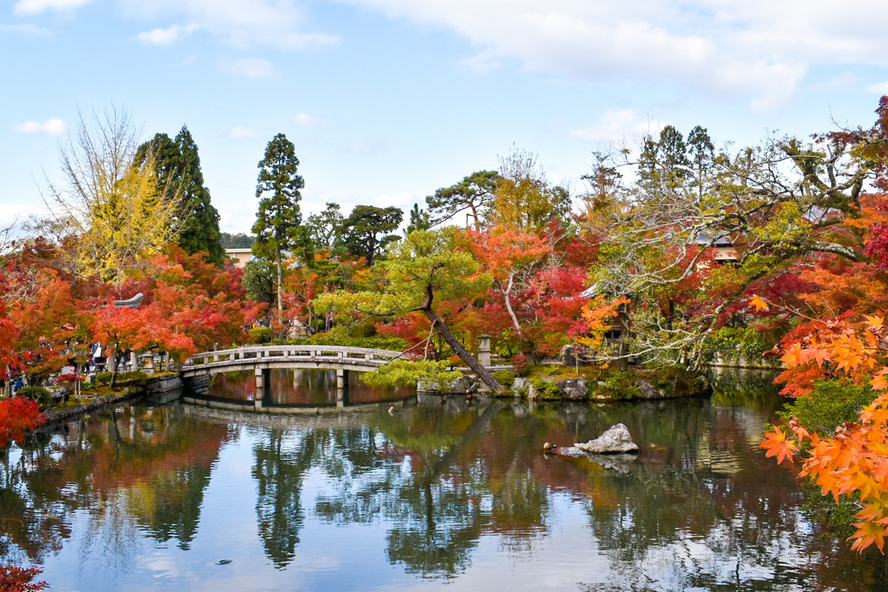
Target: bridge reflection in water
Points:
(280, 390)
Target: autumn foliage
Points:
(845, 339)
(20, 579)
(17, 416)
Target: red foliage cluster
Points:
(18, 416)
(20, 579)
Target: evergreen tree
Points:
(663, 164)
(702, 153)
(475, 194)
(419, 220)
(178, 170)
(324, 227)
(365, 233)
(278, 222)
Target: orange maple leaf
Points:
(874, 322)
(868, 533)
(757, 303)
(776, 444)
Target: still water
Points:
(442, 492)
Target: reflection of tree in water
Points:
(138, 468)
(446, 479)
(279, 471)
(438, 523)
(707, 512)
(439, 515)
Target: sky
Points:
(388, 100)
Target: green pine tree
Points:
(278, 225)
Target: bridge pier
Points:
(341, 387)
(263, 378)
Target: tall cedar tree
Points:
(278, 221)
(178, 167)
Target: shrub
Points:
(621, 385)
(405, 373)
(260, 335)
(545, 389)
(504, 377)
(136, 377)
(37, 394)
(733, 341)
(520, 364)
(829, 404)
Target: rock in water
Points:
(615, 439)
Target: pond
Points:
(440, 491)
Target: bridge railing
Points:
(302, 353)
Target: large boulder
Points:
(520, 386)
(616, 439)
(461, 385)
(574, 388)
(647, 391)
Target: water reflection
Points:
(133, 469)
(298, 388)
(443, 489)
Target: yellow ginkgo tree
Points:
(109, 209)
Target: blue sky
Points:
(388, 100)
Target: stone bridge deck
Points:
(265, 357)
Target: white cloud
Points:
(363, 148)
(12, 213)
(759, 49)
(240, 133)
(306, 120)
(252, 68)
(618, 125)
(403, 200)
(28, 7)
(879, 88)
(50, 127)
(277, 23)
(166, 36)
(24, 29)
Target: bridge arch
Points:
(330, 357)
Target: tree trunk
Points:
(526, 346)
(114, 362)
(464, 355)
(280, 301)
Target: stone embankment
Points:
(157, 390)
(573, 389)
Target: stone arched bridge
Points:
(331, 357)
(260, 359)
